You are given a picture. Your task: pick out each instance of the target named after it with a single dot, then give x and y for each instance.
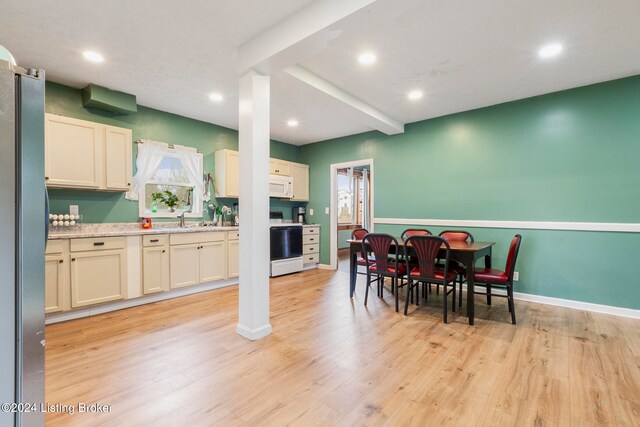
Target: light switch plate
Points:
(310, 212)
(516, 276)
(73, 210)
(326, 210)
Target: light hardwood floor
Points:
(331, 361)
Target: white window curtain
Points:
(192, 161)
(150, 155)
(365, 199)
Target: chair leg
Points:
(406, 302)
(397, 294)
(444, 300)
(511, 305)
(488, 294)
(460, 294)
(366, 293)
(438, 289)
(453, 302)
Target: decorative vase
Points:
(219, 222)
(154, 206)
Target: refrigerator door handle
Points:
(46, 216)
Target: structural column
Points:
(253, 322)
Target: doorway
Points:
(351, 205)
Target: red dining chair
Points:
(380, 244)
(415, 232)
(458, 236)
(491, 277)
(425, 250)
(358, 234)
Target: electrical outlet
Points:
(310, 212)
(516, 276)
(326, 211)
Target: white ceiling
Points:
(462, 54)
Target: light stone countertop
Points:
(130, 229)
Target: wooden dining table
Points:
(464, 252)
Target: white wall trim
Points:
(615, 227)
(146, 299)
(325, 267)
(566, 303)
(333, 230)
(579, 305)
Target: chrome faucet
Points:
(181, 218)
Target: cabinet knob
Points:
(60, 261)
(163, 251)
(73, 259)
(46, 178)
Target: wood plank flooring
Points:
(331, 361)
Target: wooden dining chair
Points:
(415, 232)
(491, 277)
(380, 245)
(425, 250)
(458, 236)
(358, 234)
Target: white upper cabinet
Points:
(300, 175)
(87, 155)
(227, 173)
(73, 153)
(279, 167)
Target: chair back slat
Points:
(359, 233)
(457, 236)
(380, 245)
(425, 250)
(514, 248)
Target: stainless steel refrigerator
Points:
(23, 233)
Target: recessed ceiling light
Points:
(367, 58)
(216, 97)
(92, 56)
(550, 50)
(293, 123)
(415, 94)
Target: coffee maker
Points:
(299, 215)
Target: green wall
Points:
(567, 156)
(157, 125)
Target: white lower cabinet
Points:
(234, 254)
(98, 276)
(185, 265)
(56, 281)
(155, 269)
(198, 258)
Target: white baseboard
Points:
(576, 305)
(253, 334)
(119, 305)
(325, 267)
(579, 305)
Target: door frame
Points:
(333, 173)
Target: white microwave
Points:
(280, 186)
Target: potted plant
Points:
(167, 198)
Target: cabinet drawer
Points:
(310, 230)
(310, 238)
(97, 244)
(310, 249)
(54, 247)
(233, 235)
(191, 238)
(311, 258)
(158, 240)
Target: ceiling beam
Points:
(297, 37)
(369, 115)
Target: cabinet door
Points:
(118, 158)
(98, 276)
(185, 265)
(213, 261)
(155, 269)
(279, 167)
(234, 258)
(73, 153)
(54, 283)
(232, 174)
(300, 175)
